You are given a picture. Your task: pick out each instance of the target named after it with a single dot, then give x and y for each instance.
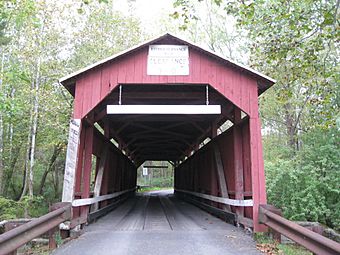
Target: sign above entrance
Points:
(168, 60)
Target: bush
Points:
(10, 209)
(27, 207)
(307, 186)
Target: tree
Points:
(35, 108)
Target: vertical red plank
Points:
(143, 61)
(226, 147)
(79, 170)
(105, 82)
(246, 164)
(206, 67)
(257, 171)
(246, 86)
(138, 75)
(219, 78)
(78, 99)
(262, 178)
(87, 98)
(113, 75)
(227, 84)
(96, 87)
(195, 66)
(122, 71)
(130, 69)
(106, 176)
(87, 168)
(235, 88)
(238, 160)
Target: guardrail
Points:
(15, 238)
(60, 212)
(312, 241)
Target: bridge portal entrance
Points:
(166, 100)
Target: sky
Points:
(150, 12)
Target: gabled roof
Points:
(264, 81)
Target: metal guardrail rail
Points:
(61, 212)
(314, 242)
(15, 238)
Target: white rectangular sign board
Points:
(168, 60)
(163, 109)
(145, 171)
(71, 160)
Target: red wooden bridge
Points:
(167, 100)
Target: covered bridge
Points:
(159, 101)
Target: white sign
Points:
(71, 160)
(145, 171)
(168, 60)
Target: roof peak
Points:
(70, 79)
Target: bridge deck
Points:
(158, 223)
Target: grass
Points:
(293, 249)
(268, 246)
(152, 188)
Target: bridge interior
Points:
(208, 158)
(168, 137)
(159, 223)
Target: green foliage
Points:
(9, 209)
(154, 188)
(291, 249)
(307, 187)
(35, 206)
(27, 207)
(42, 50)
(262, 238)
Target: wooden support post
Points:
(257, 165)
(238, 162)
(87, 168)
(222, 182)
(106, 176)
(100, 174)
(213, 130)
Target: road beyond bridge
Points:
(158, 223)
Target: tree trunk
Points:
(8, 179)
(30, 153)
(26, 172)
(34, 131)
(56, 151)
(56, 182)
(1, 127)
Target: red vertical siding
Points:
(92, 87)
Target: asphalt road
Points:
(158, 223)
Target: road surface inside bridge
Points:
(159, 223)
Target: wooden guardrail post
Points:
(276, 235)
(52, 243)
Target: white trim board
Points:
(89, 201)
(163, 109)
(226, 201)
